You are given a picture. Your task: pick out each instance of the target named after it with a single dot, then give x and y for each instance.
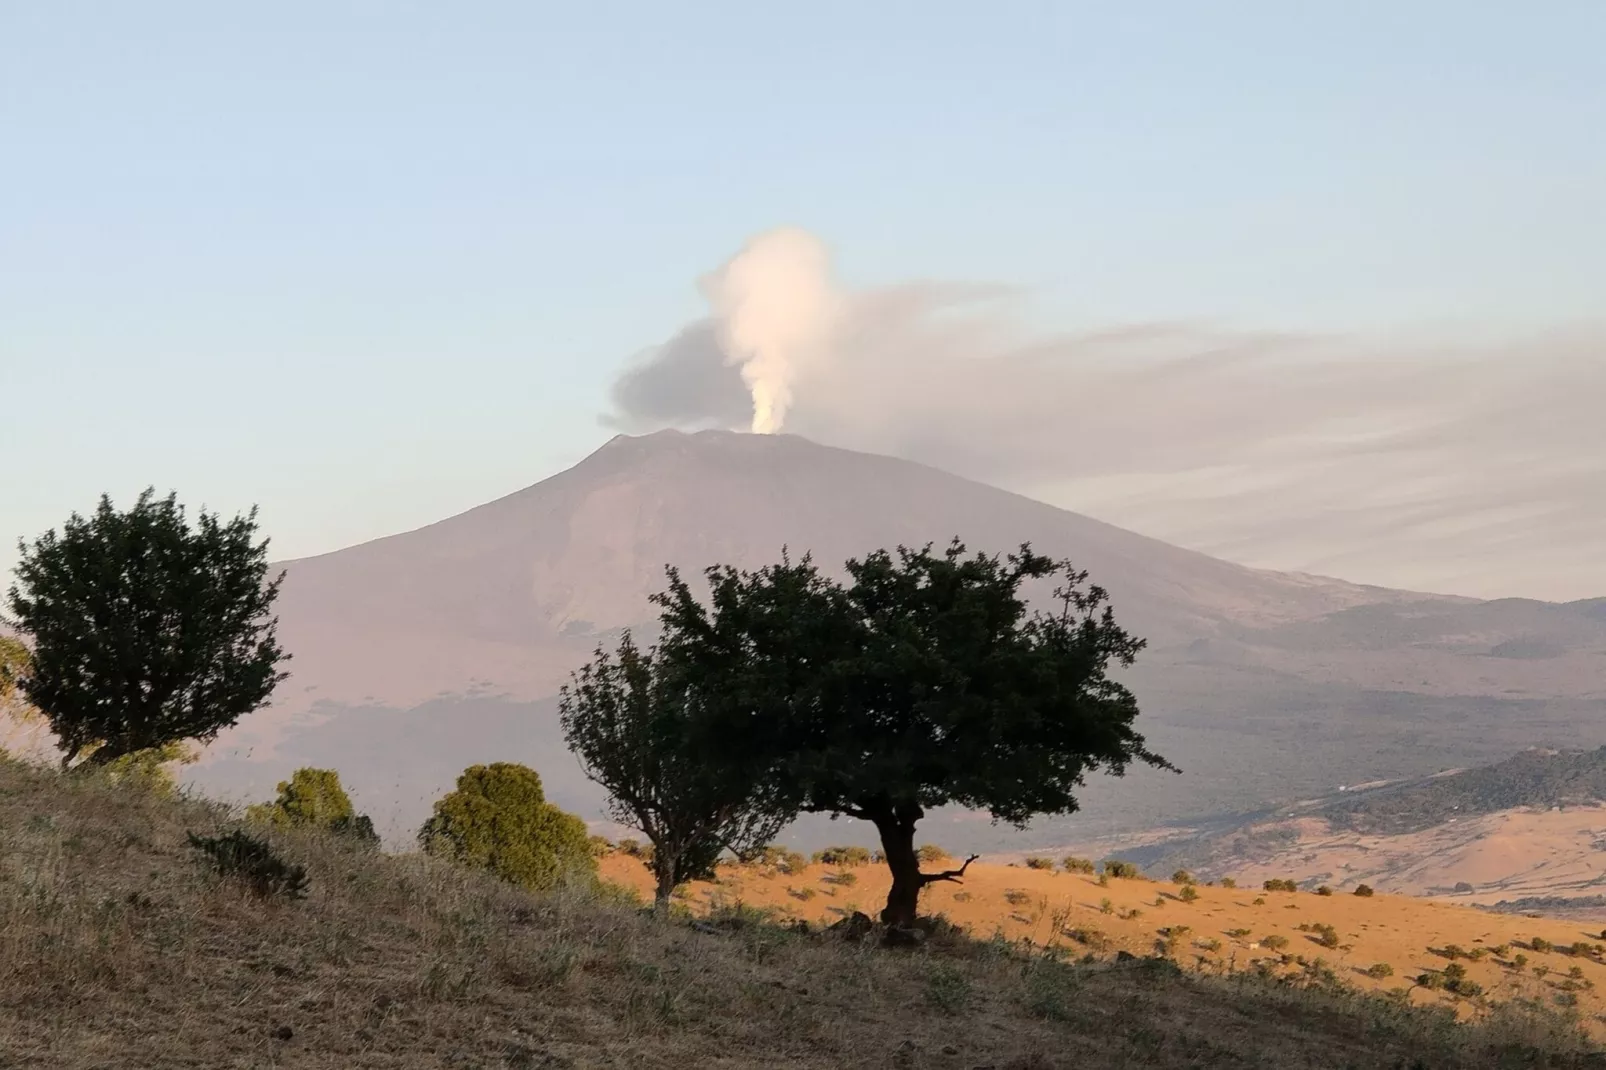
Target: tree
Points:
(924, 680)
(314, 798)
(631, 722)
(146, 631)
(498, 819)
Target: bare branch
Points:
(954, 875)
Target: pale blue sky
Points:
(367, 264)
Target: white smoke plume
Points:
(1466, 467)
(775, 306)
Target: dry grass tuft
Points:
(120, 948)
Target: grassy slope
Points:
(118, 950)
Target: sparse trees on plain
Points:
(145, 630)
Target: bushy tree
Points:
(629, 718)
(923, 680)
(498, 819)
(146, 631)
(314, 798)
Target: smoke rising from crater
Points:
(1468, 468)
(774, 306)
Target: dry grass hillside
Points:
(119, 948)
(1215, 930)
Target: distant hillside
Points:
(1527, 834)
(1534, 778)
(421, 653)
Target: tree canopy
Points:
(146, 631)
(632, 722)
(923, 680)
(498, 819)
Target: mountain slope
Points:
(418, 653)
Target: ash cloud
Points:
(1477, 469)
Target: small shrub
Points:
(1453, 952)
(1238, 934)
(247, 859)
(1378, 971)
(601, 846)
(1324, 890)
(843, 856)
(634, 849)
(1520, 960)
(1275, 941)
(803, 894)
(841, 878)
(1017, 898)
(1121, 870)
(1073, 864)
(1092, 938)
(1182, 876)
(1581, 949)
(1106, 907)
(1209, 944)
(1159, 900)
(1130, 915)
(1280, 885)
(1463, 888)
(929, 853)
(1188, 894)
(1260, 901)
(1228, 882)
(1364, 891)
(1327, 936)
(1039, 862)
(961, 897)
(497, 818)
(1540, 944)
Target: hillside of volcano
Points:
(418, 654)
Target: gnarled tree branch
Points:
(954, 875)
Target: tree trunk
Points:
(665, 872)
(897, 828)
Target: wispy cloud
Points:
(1477, 468)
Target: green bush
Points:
(843, 856)
(1188, 894)
(1324, 890)
(1540, 944)
(930, 854)
(1327, 936)
(1380, 970)
(1364, 891)
(245, 858)
(601, 846)
(1182, 876)
(1228, 882)
(314, 798)
(1280, 885)
(1073, 864)
(841, 877)
(1238, 934)
(1275, 941)
(1039, 862)
(1121, 870)
(498, 819)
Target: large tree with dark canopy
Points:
(145, 630)
(631, 719)
(923, 680)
